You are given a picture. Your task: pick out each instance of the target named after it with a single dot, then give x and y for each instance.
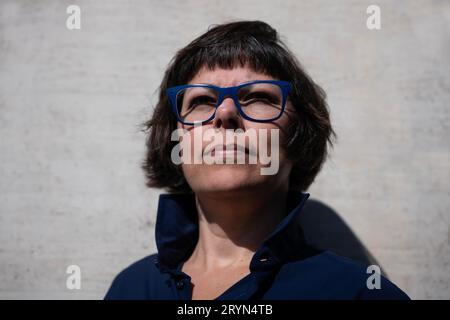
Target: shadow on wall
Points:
(325, 229)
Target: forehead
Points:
(228, 77)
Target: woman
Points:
(228, 230)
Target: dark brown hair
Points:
(241, 43)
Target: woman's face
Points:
(236, 177)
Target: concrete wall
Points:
(72, 192)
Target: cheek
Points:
(280, 144)
(273, 137)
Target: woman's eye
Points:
(259, 96)
(202, 100)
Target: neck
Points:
(231, 228)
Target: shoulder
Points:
(133, 282)
(327, 275)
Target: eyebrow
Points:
(248, 81)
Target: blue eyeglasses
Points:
(258, 101)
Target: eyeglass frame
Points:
(224, 92)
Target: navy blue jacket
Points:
(284, 267)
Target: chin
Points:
(225, 178)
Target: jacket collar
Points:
(176, 233)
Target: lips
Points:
(229, 148)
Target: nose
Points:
(227, 115)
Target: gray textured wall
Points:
(71, 190)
